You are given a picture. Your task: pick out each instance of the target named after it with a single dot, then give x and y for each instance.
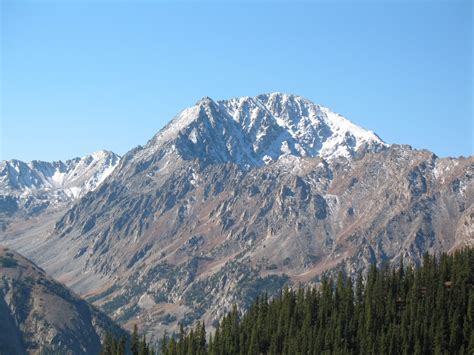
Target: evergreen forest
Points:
(392, 310)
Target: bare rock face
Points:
(38, 315)
(34, 195)
(233, 198)
(28, 189)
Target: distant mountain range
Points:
(35, 186)
(230, 199)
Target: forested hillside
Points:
(429, 310)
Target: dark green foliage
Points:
(109, 346)
(395, 311)
(135, 341)
(194, 343)
(136, 346)
(429, 310)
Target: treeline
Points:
(136, 345)
(429, 310)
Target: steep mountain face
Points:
(253, 131)
(39, 315)
(236, 197)
(31, 188)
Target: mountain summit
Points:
(254, 131)
(237, 197)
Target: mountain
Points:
(39, 316)
(72, 178)
(253, 131)
(241, 196)
(29, 189)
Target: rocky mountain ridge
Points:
(237, 197)
(29, 188)
(253, 131)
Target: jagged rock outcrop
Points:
(30, 188)
(237, 197)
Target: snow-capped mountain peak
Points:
(72, 178)
(257, 130)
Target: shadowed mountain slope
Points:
(39, 315)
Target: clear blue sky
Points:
(80, 76)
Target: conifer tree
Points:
(394, 311)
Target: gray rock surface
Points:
(28, 189)
(38, 315)
(237, 197)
